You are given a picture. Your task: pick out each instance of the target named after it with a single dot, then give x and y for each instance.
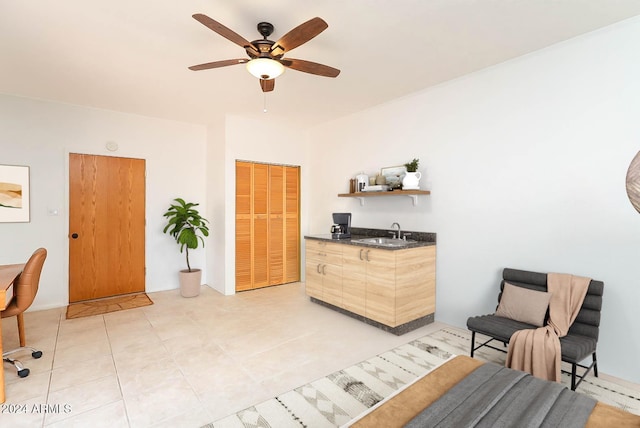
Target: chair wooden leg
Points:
(21, 334)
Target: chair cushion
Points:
(496, 326)
(524, 305)
(574, 348)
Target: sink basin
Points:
(384, 242)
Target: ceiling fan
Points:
(266, 58)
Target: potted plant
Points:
(411, 179)
(188, 228)
(412, 166)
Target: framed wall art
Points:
(394, 175)
(14, 194)
(633, 182)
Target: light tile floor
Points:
(181, 362)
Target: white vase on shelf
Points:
(411, 181)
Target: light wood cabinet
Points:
(324, 271)
(381, 286)
(267, 225)
(354, 279)
(415, 283)
(390, 287)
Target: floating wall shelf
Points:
(413, 194)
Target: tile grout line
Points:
(53, 360)
(115, 367)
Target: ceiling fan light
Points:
(265, 68)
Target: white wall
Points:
(42, 134)
(216, 203)
(526, 162)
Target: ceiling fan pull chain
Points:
(264, 110)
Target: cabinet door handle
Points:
(367, 255)
(318, 268)
(323, 272)
(361, 253)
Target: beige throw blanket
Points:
(537, 351)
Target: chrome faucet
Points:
(399, 230)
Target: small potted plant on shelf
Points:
(188, 228)
(411, 179)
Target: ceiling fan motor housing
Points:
(263, 45)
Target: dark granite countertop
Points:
(416, 239)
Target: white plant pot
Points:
(190, 282)
(411, 181)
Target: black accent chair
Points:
(579, 343)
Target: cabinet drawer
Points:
(316, 245)
(324, 252)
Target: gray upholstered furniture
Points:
(577, 345)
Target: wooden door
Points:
(106, 226)
(260, 225)
(292, 224)
(277, 199)
(244, 226)
(267, 225)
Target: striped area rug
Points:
(336, 399)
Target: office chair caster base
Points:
(20, 369)
(36, 354)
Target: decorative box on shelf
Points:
(377, 188)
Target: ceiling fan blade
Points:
(224, 32)
(267, 85)
(310, 67)
(218, 64)
(299, 35)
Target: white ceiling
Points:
(132, 55)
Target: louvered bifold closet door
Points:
(292, 224)
(244, 225)
(267, 225)
(276, 224)
(260, 238)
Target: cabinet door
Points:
(332, 284)
(313, 278)
(415, 283)
(381, 284)
(331, 269)
(354, 279)
(324, 271)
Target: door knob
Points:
(74, 235)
